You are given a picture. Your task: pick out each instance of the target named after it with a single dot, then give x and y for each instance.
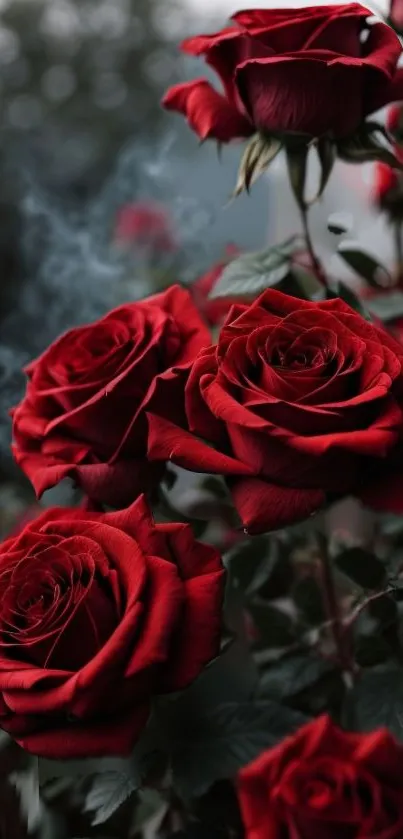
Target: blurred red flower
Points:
(145, 224)
(324, 782)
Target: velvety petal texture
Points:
(99, 612)
(83, 415)
(287, 70)
(299, 403)
(325, 783)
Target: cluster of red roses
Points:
(296, 403)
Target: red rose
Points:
(288, 70)
(214, 311)
(325, 783)
(388, 190)
(83, 415)
(394, 120)
(300, 402)
(98, 613)
(146, 225)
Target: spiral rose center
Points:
(330, 789)
(91, 346)
(51, 599)
(297, 358)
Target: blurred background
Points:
(105, 197)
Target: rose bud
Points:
(287, 70)
(145, 225)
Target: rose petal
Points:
(168, 442)
(274, 93)
(209, 113)
(80, 740)
(193, 647)
(263, 506)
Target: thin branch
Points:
(316, 263)
(341, 641)
(372, 598)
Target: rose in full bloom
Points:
(288, 70)
(299, 403)
(83, 415)
(145, 224)
(324, 782)
(99, 612)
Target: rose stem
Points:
(341, 641)
(317, 265)
(397, 233)
(372, 598)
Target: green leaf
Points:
(340, 289)
(252, 273)
(365, 265)
(364, 146)
(50, 769)
(275, 628)
(307, 284)
(291, 675)
(388, 306)
(370, 650)
(309, 600)
(259, 153)
(225, 740)
(376, 701)
(384, 611)
(5, 740)
(108, 792)
(231, 676)
(149, 803)
(26, 784)
(53, 826)
(362, 567)
(250, 564)
(392, 525)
